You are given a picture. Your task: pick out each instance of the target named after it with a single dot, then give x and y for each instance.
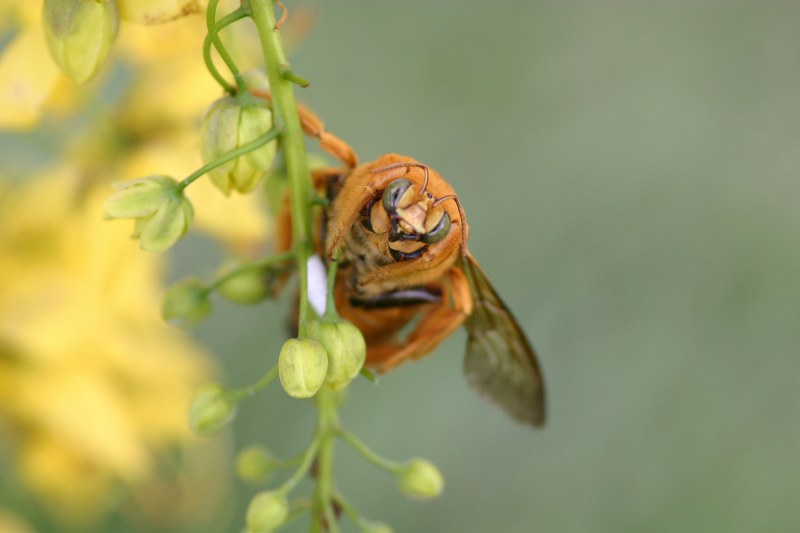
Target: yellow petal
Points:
(27, 75)
(156, 11)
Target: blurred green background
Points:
(630, 174)
(629, 171)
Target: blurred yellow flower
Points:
(94, 387)
(30, 79)
(11, 523)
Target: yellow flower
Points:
(93, 386)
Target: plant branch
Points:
(359, 446)
(258, 264)
(207, 42)
(213, 27)
(285, 111)
(233, 154)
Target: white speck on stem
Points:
(317, 284)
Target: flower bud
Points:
(186, 303)
(267, 511)
(254, 464)
(79, 34)
(302, 366)
(161, 211)
(212, 409)
(346, 349)
(248, 286)
(230, 124)
(419, 478)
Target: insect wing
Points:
(500, 362)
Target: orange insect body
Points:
(385, 280)
(405, 278)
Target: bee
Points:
(406, 279)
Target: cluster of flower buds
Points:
(158, 206)
(333, 354)
(79, 34)
(230, 123)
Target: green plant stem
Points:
(330, 304)
(305, 465)
(358, 445)
(253, 265)
(207, 42)
(327, 426)
(288, 74)
(249, 147)
(213, 27)
(260, 385)
(285, 110)
(348, 509)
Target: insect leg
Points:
(435, 326)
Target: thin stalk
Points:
(358, 445)
(249, 147)
(308, 458)
(211, 24)
(330, 305)
(294, 151)
(327, 424)
(260, 385)
(207, 42)
(253, 265)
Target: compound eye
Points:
(393, 193)
(439, 231)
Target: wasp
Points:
(406, 279)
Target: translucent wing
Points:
(500, 362)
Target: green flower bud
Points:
(266, 512)
(212, 408)
(247, 287)
(255, 464)
(186, 303)
(302, 366)
(419, 478)
(79, 34)
(161, 211)
(346, 349)
(375, 527)
(230, 124)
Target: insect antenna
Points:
(461, 215)
(402, 164)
